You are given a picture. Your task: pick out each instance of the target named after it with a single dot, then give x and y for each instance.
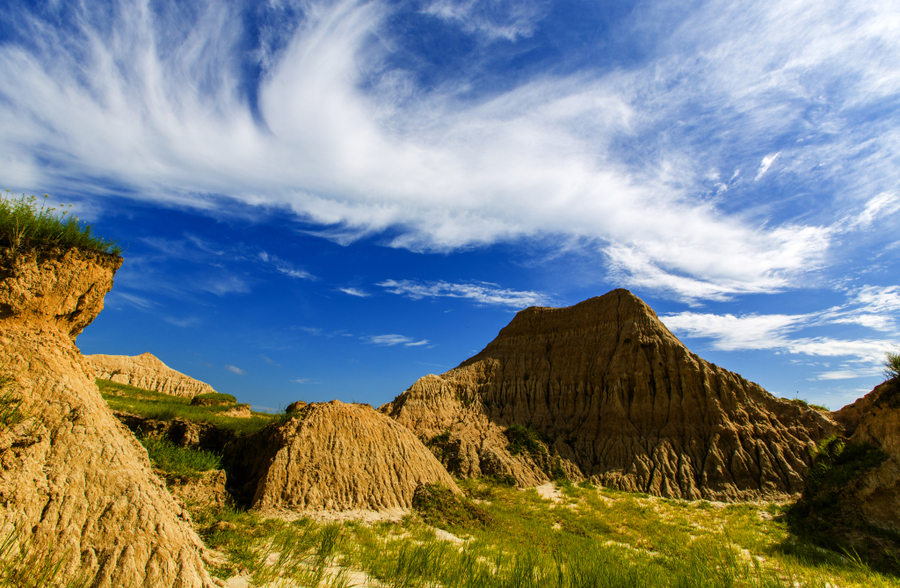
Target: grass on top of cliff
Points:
(26, 225)
(165, 407)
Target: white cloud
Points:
(183, 322)
(607, 159)
(235, 370)
(483, 293)
(137, 301)
(286, 267)
(355, 292)
(870, 306)
(764, 166)
(391, 340)
(732, 333)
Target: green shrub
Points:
(524, 439)
(440, 507)
(24, 226)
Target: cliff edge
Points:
(72, 479)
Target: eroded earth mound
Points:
(333, 456)
(148, 372)
(73, 480)
(603, 390)
(875, 419)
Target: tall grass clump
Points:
(10, 404)
(179, 461)
(23, 566)
(892, 365)
(28, 224)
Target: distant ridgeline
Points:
(147, 372)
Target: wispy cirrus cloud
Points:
(285, 267)
(391, 340)
(355, 292)
(480, 292)
(624, 159)
(235, 370)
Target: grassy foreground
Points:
(590, 538)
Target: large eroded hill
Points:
(619, 399)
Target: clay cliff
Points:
(332, 456)
(147, 372)
(72, 479)
(614, 397)
(875, 420)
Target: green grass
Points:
(10, 404)
(179, 461)
(439, 507)
(165, 407)
(24, 226)
(24, 566)
(806, 404)
(591, 538)
(214, 399)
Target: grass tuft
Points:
(180, 461)
(25, 226)
(23, 566)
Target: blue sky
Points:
(331, 199)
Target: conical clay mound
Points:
(73, 481)
(618, 399)
(334, 456)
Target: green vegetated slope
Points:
(165, 407)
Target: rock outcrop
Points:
(332, 456)
(875, 419)
(147, 372)
(73, 480)
(617, 398)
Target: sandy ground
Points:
(549, 492)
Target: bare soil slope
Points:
(333, 456)
(72, 479)
(618, 399)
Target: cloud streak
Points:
(480, 292)
(391, 340)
